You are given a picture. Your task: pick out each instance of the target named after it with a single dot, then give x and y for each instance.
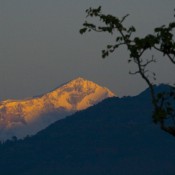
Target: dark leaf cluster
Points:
(162, 40)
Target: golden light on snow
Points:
(76, 95)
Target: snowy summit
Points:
(28, 116)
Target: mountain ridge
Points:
(115, 136)
(77, 94)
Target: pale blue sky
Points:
(41, 48)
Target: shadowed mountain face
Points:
(28, 116)
(116, 136)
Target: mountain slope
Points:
(22, 117)
(116, 136)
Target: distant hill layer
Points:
(116, 136)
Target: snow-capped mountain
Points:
(28, 116)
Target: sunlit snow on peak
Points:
(28, 116)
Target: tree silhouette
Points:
(162, 40)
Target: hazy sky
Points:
(41, 48)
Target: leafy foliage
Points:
(162, 40)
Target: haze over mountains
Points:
(25, 117)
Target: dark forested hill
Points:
(115, 137)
